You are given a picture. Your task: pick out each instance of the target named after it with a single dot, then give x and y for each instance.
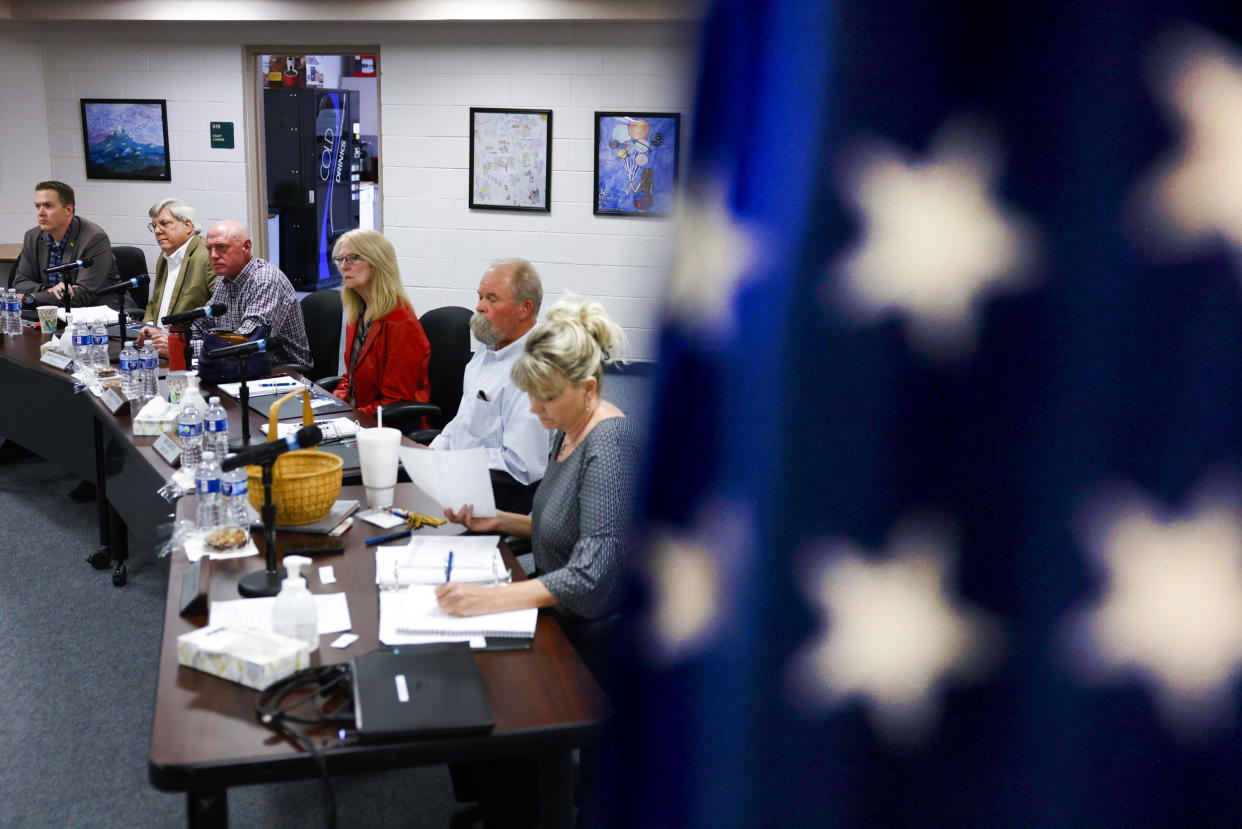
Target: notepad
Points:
(423, 560)
(413, 615)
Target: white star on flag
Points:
(713, 253)
(1196, 193)
(890, 635)
(1171, 609)
(688, 572)
(933, 240)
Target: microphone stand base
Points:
(261, 583)
(245, 442)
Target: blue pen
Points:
(380, 539)
(448, 571)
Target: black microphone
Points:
(304, 438)
(217, 310)
(250, 347)
(136, 282)
(71, 266)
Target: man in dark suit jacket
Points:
(62, 237)
(175, 225)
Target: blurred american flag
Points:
(942, 523)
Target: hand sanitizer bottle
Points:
(294, 613)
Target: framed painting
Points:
(126, 139)
(636, 163)
(510, 159)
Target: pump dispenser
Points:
(294, 613)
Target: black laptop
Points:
(416, 691)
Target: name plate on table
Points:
(194, 586)
(113, 400)
(168, 449)
(56, 360)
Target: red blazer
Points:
(392, 365)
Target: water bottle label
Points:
(99, 339)
(206, 486)
(129, 365)
(218, 426)
(189, 430)
(151, 362)
(15, 305)
(234, 488)
(81, 339)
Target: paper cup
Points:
(47, 318)
(377, 457)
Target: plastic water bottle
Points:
(131, 370)
(207, 488)
(190, 431)
(99, 345)
(150, 370)
(13, 313)
(82, 347)
(216, 428)
(235, 489)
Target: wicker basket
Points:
(305, 482)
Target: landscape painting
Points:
(126, 139)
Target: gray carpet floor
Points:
(80, 668)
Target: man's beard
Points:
(483, 329)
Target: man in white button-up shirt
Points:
(494, 413)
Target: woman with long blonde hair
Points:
(386, 350)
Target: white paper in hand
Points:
(453, 478)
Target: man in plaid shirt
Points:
(255, 292)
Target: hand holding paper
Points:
(452, 478)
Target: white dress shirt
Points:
(171, 276)
(495, 414)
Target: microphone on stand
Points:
(251, 347)
(76, 264)
(136, 282)
(303, 438)
(209, 311)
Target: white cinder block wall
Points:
(431, 74)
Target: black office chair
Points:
(448, 333)
(321, 313)
(132, 262)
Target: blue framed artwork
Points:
(510, 159)
(126, 139)
(636, 163)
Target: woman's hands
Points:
(461, 599)
(465, 516)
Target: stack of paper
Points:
(413, 616)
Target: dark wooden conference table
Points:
(204, 736)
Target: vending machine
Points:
(313, 139)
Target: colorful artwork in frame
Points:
(636, 163)
(126, 139)
(510, 159)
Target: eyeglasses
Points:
(349, 259)
(164, 225)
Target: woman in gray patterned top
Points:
(579, 525)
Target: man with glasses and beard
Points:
(495, 413)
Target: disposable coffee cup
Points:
(377, 457)
(47, 318)
(178, 381)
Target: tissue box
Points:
(255, 658)
(156, 417)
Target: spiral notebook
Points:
(412, 616)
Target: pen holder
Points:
(305, 482)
